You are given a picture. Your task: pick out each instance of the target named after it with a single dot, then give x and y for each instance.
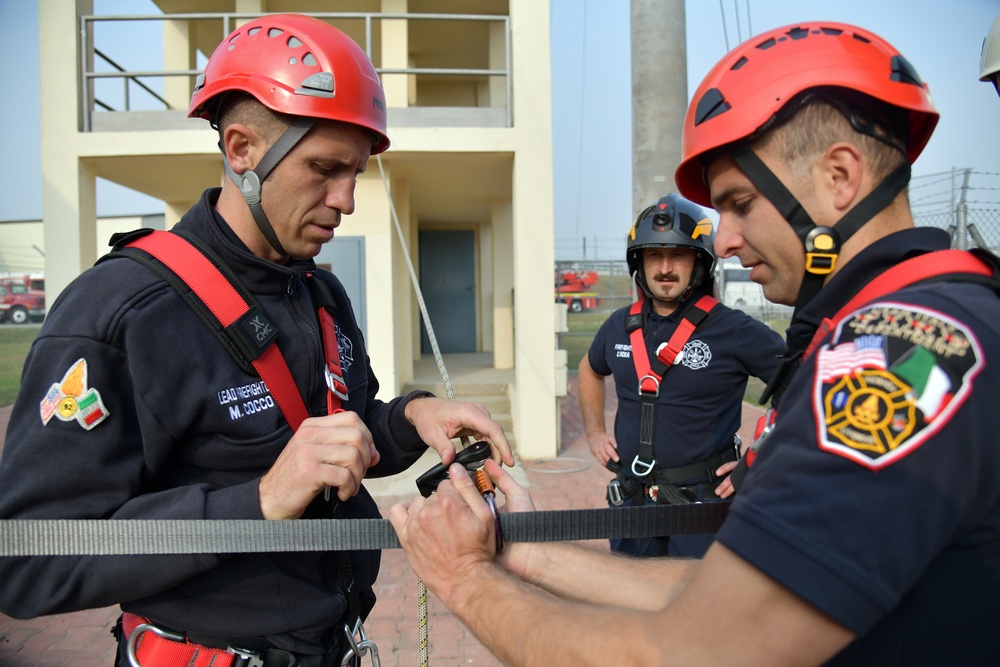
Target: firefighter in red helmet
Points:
(867, 527)
(147, 397)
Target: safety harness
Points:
(211, 288)
(232, 313)
(940, 265)
(657, 483)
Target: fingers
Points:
(725, 469)
(725, 488)
(517, 497)
(438, 420)
(603, 447)
(332, 451)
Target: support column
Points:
(395, 54)
(534, 402)
(659, 97)
(503, 285)
(69, 201)
(178, 54)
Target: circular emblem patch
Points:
(696, 354)
(869, 412)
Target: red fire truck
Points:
(575, 289)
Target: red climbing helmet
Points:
(297, 65)
(751, 84)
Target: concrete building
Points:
(469, 173)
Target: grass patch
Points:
(14, 345)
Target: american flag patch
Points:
(846, 358)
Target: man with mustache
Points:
(695, 408)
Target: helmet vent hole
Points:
(310, 60)
(253, 31)
(904, 72)
(293, 42)
(798, 33)
(275, 32)
(739, 63)
(711, 104)
(862, 39)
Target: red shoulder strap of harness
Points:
(904, 274)
(666, 353)
(227, 305)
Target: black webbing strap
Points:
(101, 537)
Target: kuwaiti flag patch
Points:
(71, 399)
(890, 378)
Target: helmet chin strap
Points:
(822, 244)
(249, 182)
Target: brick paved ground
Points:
(82, 639)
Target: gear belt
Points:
(100, 537)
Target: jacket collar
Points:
(260, 276)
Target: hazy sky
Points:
(591, 89)
(593, 187)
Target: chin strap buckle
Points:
(822, 246)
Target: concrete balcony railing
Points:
(438, 70)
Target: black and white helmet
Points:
(674, 222)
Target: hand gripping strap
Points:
(246, 328)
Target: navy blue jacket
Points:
(163, 424)
(699, 406)
(876, 496)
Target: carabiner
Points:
(359, 648)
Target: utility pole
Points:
(961, 240)
(659, 97)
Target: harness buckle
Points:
(247, 657)
(677, 358)
(335, 383)
(655, 390)
(640, 465)
(821, 263)
(358, 648)
(143, 628)
(822, 246)
(615, 496)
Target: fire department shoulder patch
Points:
(890, 378)
(70, 399)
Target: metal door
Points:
(345, 257)
(448, 283)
